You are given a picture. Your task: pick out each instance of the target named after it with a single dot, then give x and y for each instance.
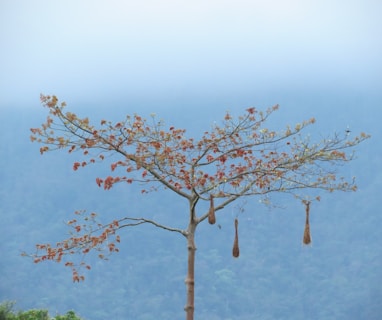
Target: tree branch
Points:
(156, 224)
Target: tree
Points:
(238, 158)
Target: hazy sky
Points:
(111, 51)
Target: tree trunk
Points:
(190, 279)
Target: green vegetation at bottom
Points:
(7, 313)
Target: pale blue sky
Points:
(170, 51)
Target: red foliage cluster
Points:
(166, 156)
(84, 238)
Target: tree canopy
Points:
(236, 158)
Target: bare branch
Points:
(156, 224)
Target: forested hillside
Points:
(276, 277)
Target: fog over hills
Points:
(189, 63)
